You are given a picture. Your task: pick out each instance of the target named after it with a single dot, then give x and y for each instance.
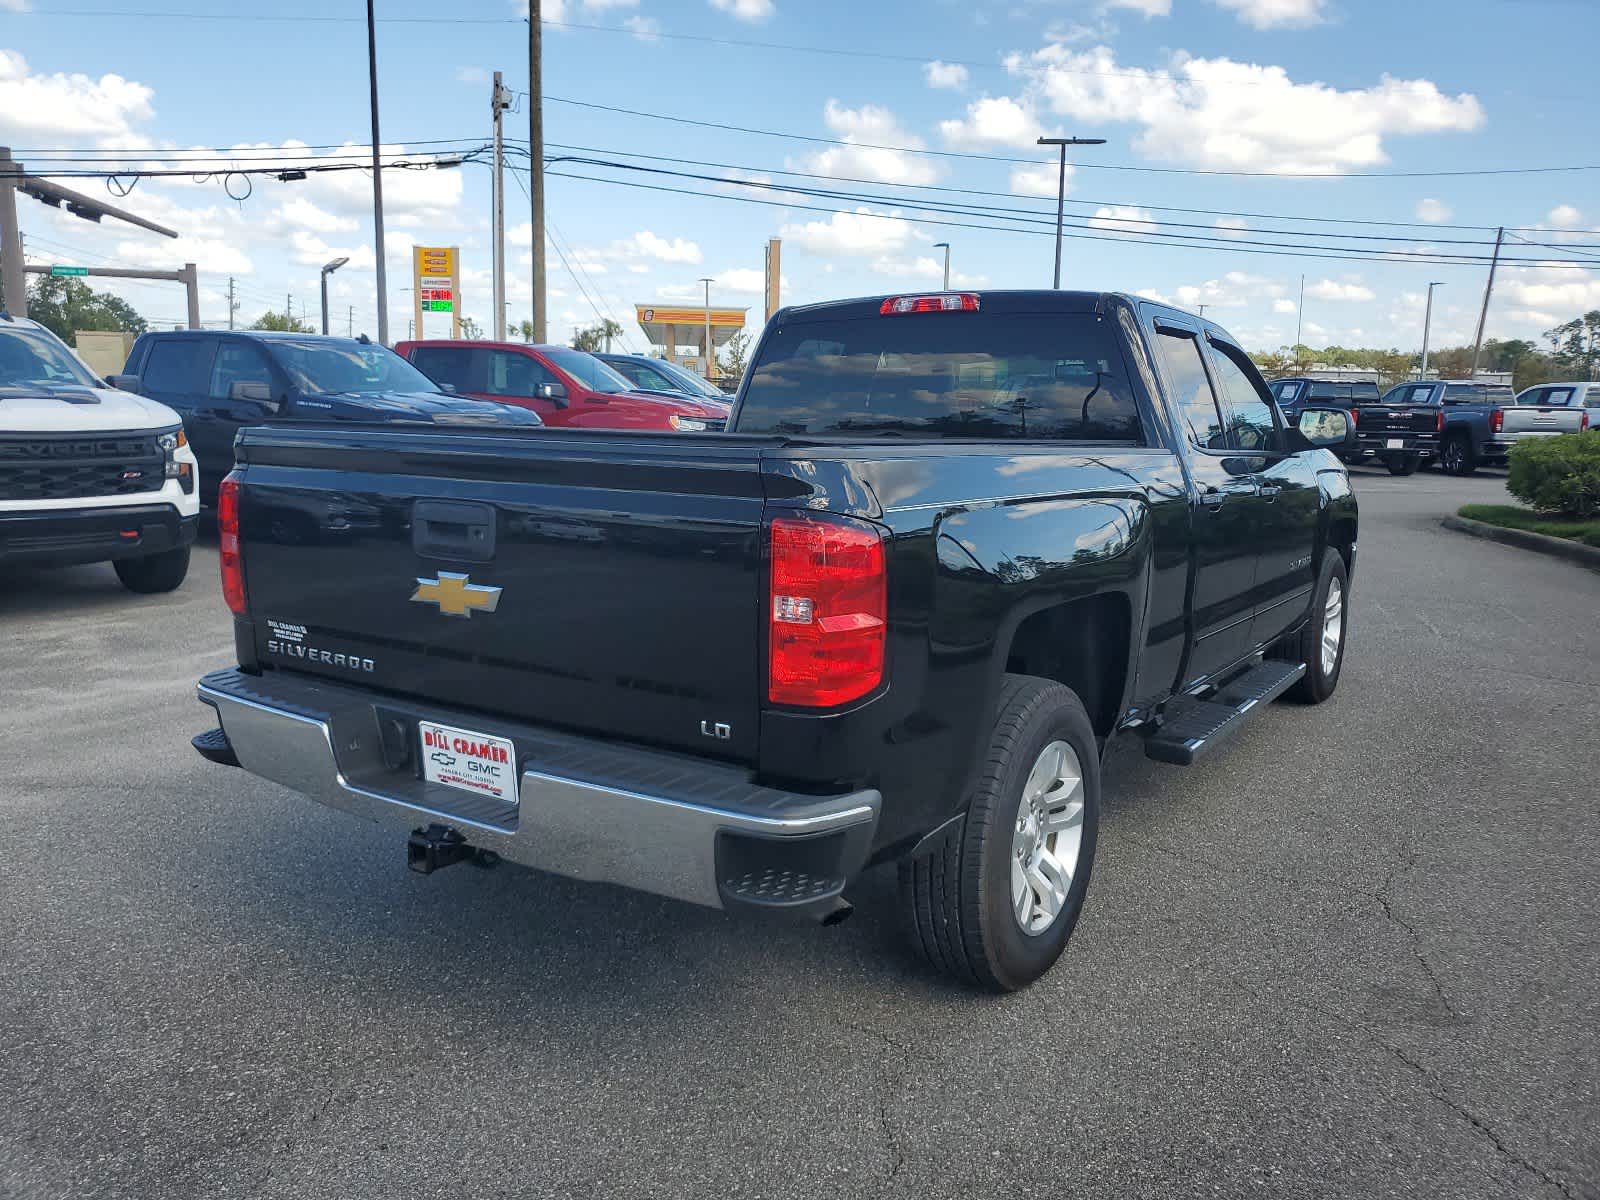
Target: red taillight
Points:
(228, 545)
(895, 306)
(1497, 420)
(827, 609)
(1355, 416)
(1438, 422)
(1583, 420)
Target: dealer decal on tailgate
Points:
(473, 762)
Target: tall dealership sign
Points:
(436, 285)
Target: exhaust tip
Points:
(840, 912)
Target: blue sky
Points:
(1324, 88)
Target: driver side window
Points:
(237, 362)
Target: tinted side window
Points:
(451, 365)
(649, 377)
(1191, 390)
(1249, 413)
(237, 362)
(1562, 396)
(178, 366)
(512, 374)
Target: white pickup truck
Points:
(87, 473)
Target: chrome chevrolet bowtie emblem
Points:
(455, 596)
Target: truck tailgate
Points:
(1526, 420)
(602, 583)
(1397, 419)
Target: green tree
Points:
(1575, 346)
(65, 306)
(734, 357)
(471, 330)
(596, 337)
(525, 329)
(280, 323)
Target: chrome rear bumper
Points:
(663, 823)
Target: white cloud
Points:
(862, 233)
(1284, 305)
(1043, 180)
(1218, 113)
(644, 28)
(1123, 218)
(1148, 8)
(945, 75)
(740, 279)
(472, 75)
(923, 267)
(1550, 290)
(49, 109)
(602, 5)
(1333, 289)
(650, 245)
(16, 6)
(993, 121)
(1277, 14)
(1236, 289)
(746, 10)
(1434, 211)
(1564, 216)
(300, 213)
(1231, 227)
(871, 131)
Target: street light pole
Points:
(1061, 188)
(329, 269)
(1427, 323)
(536, 165)
(710, 349)
(946, 247)
(377, 180)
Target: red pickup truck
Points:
(566, 387)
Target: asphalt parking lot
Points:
(1356, 955)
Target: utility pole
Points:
(377, 180)
(1061, 188)
(499, 101)
(1427, 324)
(711, 350)
(288, 309)
(1202, 312)
(536, 165)
(231, 305)
(350, 326)
(946, 246)
(15, 284)
(1488, 289)
(1300, 320)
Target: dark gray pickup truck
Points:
(951, 548)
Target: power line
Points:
(1235, 246)
(1082, 166)
(1033, 217)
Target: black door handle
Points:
(448, 529)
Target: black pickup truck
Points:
(952, 546)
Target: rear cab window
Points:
(989, 375)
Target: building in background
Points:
(678, 331)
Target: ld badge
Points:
(455, 596)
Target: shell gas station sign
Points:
(436, 284)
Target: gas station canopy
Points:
(671, 327)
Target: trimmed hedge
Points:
(1558, 474)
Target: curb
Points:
(1575, 552)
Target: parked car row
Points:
(1460, 425)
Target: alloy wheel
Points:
(1048, 838)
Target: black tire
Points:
(1317, 684)
(1456, 457)
(957, 896)
(154, 572)
(1401, 464)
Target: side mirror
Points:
(247, 392)
(1330, 428)
(124, 383)
(448, 388)
(556, 393)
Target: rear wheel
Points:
(1321, 644)
(1401, 464)
(154, 572)
(1456, 455)
(995, 902)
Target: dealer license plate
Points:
(473, 762)
(1395, 444)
